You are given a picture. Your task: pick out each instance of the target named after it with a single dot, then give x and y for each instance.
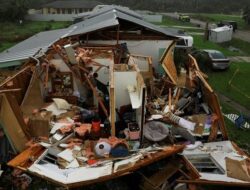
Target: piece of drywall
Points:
(103, 73)
(121, 81)
(142, 47)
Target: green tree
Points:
(14, 10)
(246, 14)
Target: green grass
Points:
(220, 82)
(9, 29)
(12, 33)
(200, 43)
(216, 18)
(174, 22)
(240, 44)
(239, 136)
(6, 45)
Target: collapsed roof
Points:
(43, 40)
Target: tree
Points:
(14, 10)
(246, 15)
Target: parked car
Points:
(211, 59)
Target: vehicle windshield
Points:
(217, 55)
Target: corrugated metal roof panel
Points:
(32, 45)
(109, 8)
(144, 24)
(96, 23)
(111, 18)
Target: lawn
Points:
(174, 22)
(239, 136)
(239, 90)
(200, 43)
(12, 33)
(240, 44)
(216, 18)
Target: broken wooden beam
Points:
(10, 90)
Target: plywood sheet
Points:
(212, 100)
(168, 65)
(33, 98)
(12, 125)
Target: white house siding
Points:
(144, 47)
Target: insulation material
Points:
(12, 126)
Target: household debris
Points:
(238, 120)
(100, 112)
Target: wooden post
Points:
(112, 100)
(143, 114)
(96, 95)
(169, 99)
(214, 128)
(118, 35)
(10, 90)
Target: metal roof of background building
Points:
(72, 4)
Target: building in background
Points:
(69, 7)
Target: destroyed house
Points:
(87, 106)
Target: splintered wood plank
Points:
(14, 76)
(97, 96)
(212, 100)
(13, 123)
(157, 179)
(168, 151)
(167, 62)
(112, 99)
(26, 158)
(30, 103)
